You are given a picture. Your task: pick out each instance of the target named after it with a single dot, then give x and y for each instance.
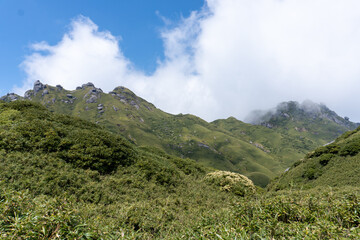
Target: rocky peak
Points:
(10, 97)
(294, 111)
(89, 84)
(38, 86)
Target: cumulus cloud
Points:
(84, 54)
(228, 58)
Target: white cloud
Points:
(83, 55)
(228, 58)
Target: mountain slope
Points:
(55, 184)
(335, 165)
(112, 184)
(121, 111)
(315, 121)
(256, 151)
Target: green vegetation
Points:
(336, 164)
(231, 182)
(66, 178)
(25, 217)
(258, 152)
(68, 163)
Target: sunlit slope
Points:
(256, 151)
(121, 111)
(285, 141)
(109, 183)
(335, 165)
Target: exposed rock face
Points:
(45, 92)
(38, 86)
(203, 145)
(133, 103)
(260, 146)
(67, 101)
(59, 87)
(268, 125)
(92, 99)
(93, 94)
(89, 84)
(10, 97)
(148, 108)
(127, 97)
(28, 94)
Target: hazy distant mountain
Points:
(305, 113)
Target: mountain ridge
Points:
(258, 152)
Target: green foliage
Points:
(118, 188)
(78, 142)
(301, 215)
(25, 217)
(65, 178)
(351, 149)
(259, 179)
(328, 149)
(335, 164)
(255, 151)
(325, 158)
(231, 182)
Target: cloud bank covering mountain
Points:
(228, 58)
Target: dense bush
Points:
(76, 141)
(331, 148)
(231, 182)
(351, 149)
(301, 215)
(325, 158)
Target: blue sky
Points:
(137, 22)
(211, 58)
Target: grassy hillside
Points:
(336, 164)
(284, 146)
(258, 152)
(140, 122)
(112, 184)
(66, 178)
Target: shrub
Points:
(231, 182)
(350, 149)
(325, 158)
(29, 127)
(25, 217)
